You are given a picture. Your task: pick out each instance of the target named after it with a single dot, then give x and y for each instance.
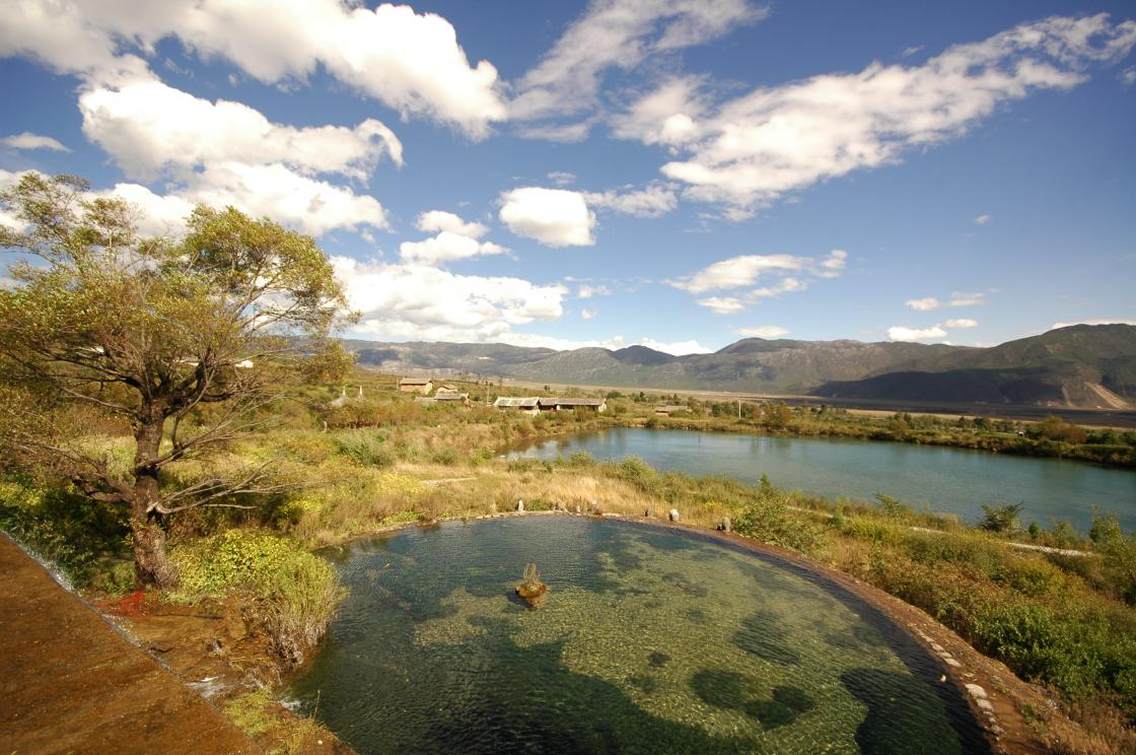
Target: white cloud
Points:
(562, 177)
(763, 331)
(957, 299)
(148, 126)
(675, 348)
(587, 291)
(446, 247)
(411, 62)
(737, 272)
(156, 215)
(902, 333)
(554, 217)
(722, 305)
(618, 34)
(29, 141)
(923, 305)
(964, 299)
(751, 150)
(1057, 325)
(587, 314)
(409, 301)
(982, 219)
(961, 323)
(651, 202)
(434, 221)
(313, 206)
(1128, 76)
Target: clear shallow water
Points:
(650, 641)
(951, 480)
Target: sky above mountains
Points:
(679, 174)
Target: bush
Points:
(85, 539)
(293, 592)
(1001, 519)
(770, 521)
(365, 447)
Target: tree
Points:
(186, 340)
(1001, 518)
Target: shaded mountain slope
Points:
(1079, 366)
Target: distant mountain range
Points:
(1082, 366)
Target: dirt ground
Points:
(70, 683)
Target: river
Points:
(943, 479)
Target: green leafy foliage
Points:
(294, 593)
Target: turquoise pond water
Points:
(649, 641)
(951, 480)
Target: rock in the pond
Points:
(520, 505)
(724, 524)
(531, 589)
(673, 516)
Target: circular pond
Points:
(650, 640)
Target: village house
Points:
(526, 404)
(569, 404)
(415, 385)
(451, 395)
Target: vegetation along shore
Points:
(176, 460)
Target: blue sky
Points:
(681, 174)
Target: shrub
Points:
(770, 520)
(293, 593)
(1001, 518)
(365, 447)
(890, 507)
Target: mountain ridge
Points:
(1079, 366)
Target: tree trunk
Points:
(151, 566)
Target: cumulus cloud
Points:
(903, 333)
(736, 272)
(29, 141)
(587, 314)
(676, 348)
(409, 61)
(412, 301)
(963, 322)
(446, 247)
(587, 291)
(957, 299)
(651, 202)
(554, 217)
(983, 219)
(562, 177)
(433, 221)
(763, 331)
(618, 34)
(751, 150)
(722, 305)
(925, 304)
(148, 127)
(787, 273)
